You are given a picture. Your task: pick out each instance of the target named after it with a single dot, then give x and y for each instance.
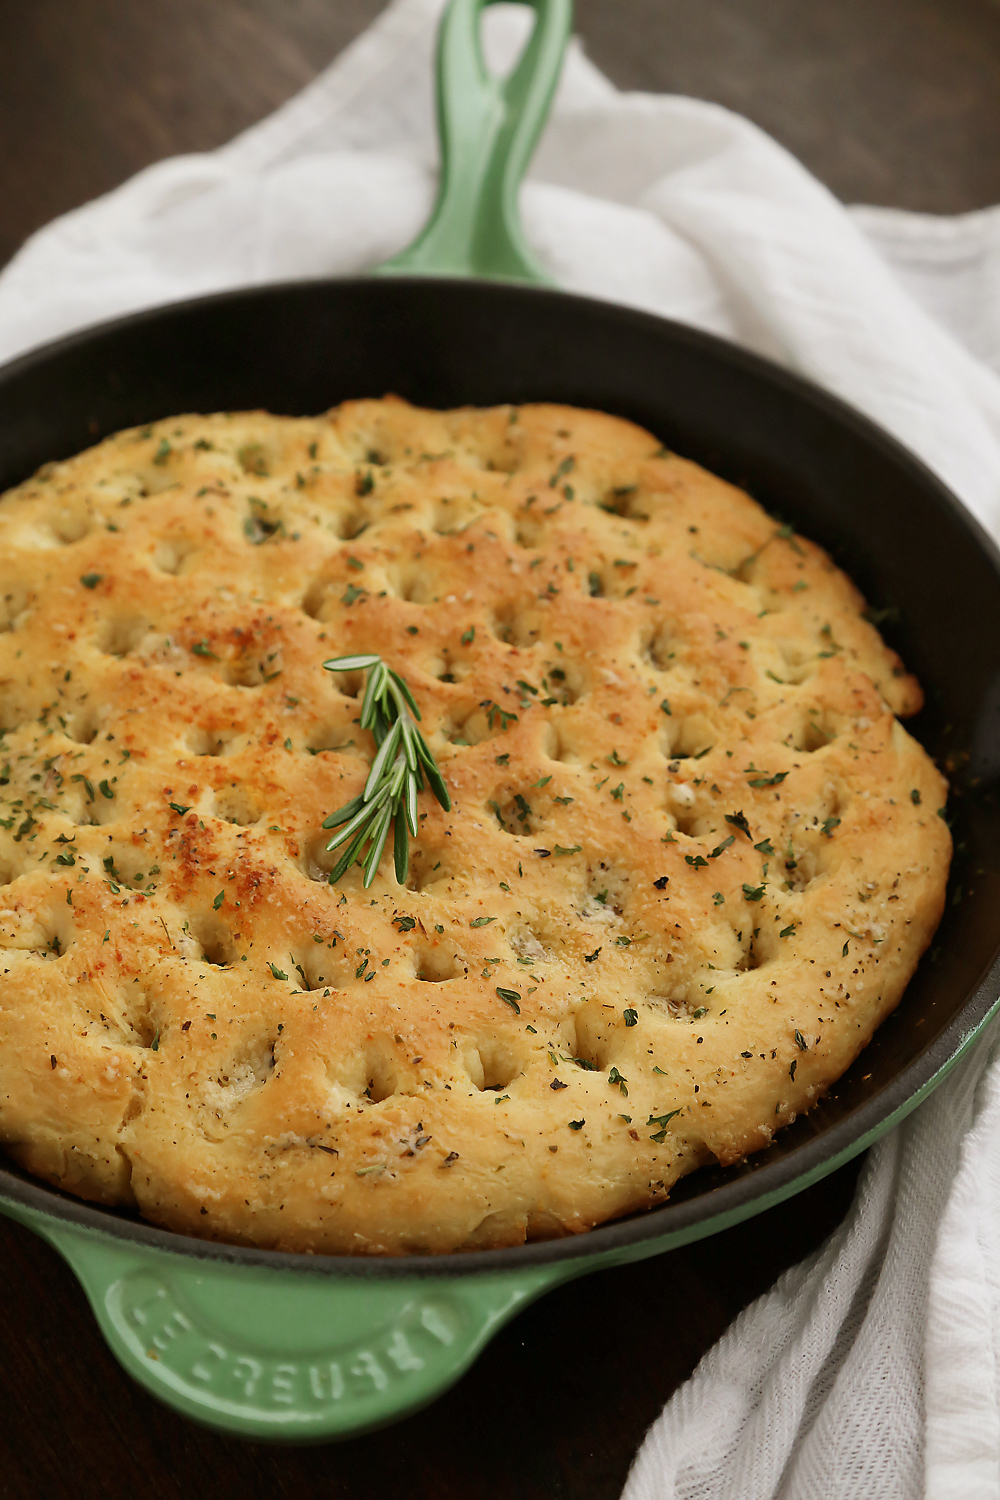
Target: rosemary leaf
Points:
(401, 850)
(348, 857)
(406, 694)
(342, 814)
(372, 691)
(362, 819)
(386, 751)
(411, 804)
(381, 830)
(350, 663)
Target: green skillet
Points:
(311, 1348)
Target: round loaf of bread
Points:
(691, 861)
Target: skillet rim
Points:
(684, 1219)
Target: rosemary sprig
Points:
(397, 773)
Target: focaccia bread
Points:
(691, 862)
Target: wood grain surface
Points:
(888, 101)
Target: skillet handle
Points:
(488, 130)
(285, 1355)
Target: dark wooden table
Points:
(889, 101)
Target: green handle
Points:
(288, 1355)
(488, 129)
(274, 1352)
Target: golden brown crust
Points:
(690, 842)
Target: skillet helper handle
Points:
(488, 129)
(286, 1355)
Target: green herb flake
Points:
(91, 580)
(468, 636)
(278, 973)
(615, 1077)
(481, 921)
(564, 468)
(218, 900)
(753, 892)
(577, 1124)
(631, 1016)
(662, 1121)
(511, 998)
(877, 617)
(178, 809)
(496, 715)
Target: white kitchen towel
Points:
(872, 1369)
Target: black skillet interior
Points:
(806, 457)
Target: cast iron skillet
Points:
(266, 1344)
